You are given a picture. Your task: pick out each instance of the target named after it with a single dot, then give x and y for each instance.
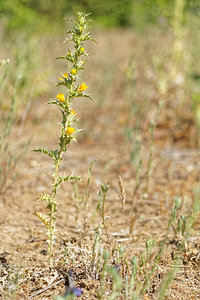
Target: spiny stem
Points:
(77, 59)
(52, 208)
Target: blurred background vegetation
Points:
(31, 29)
(155, 57)
(165, 33)
(37, 15)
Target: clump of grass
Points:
(76, 59)
(181, 226)
(136, 158)
(130, 277)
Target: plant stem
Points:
(52, 203)
(103, 215)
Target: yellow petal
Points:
(69, 130)
(82, 87)
(60, 97)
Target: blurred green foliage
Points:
(42, 14)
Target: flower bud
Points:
(69, 130)
(60, 97)
(82, 87)
(73, 72)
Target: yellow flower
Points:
(65, 75)
(69, 130)
(60, 97)
(80, 29)
(73, 71)
(72, 111)
(82, 49)
(82, 87)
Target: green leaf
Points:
(88, 96)
(43, 218)
(77, 94)
(62, 105)
(71, 177)
(67, 178)
(61, 57)
(52, 153)
(45, 197)
(61, 83)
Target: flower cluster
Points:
(77, 58)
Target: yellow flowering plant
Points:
(77, 58)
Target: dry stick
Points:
(103, 218)
(102, 195)
(46, 288)
(122, 193)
